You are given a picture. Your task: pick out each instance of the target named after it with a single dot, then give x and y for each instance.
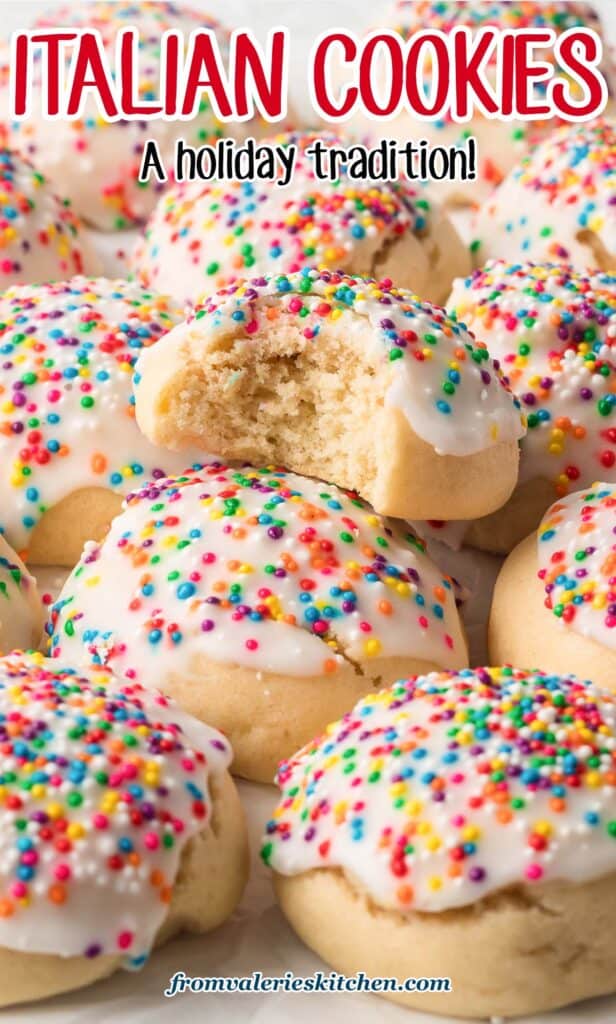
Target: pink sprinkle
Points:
(534, 872)
(125, 940)
(150, 839)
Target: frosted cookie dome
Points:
(559, 204)
(460, 826)
(67, 428)
(254, 593)
(553, 331)
(41, 239)
(555, 597)
(500, 144)
(120, 826)
(95, 162)
(203, 236)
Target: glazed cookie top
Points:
(255, 567)
(68, 150)
(203, 236)
(40, 236)
(101, 787)
(443, 380)
(21, 610)
(559, 204)
(408, 16)
(67, 353)
(448, 787)
(577, 562)
(553, 331)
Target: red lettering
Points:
(323, 102)
(470, 65)
(439, 68)
(249, 61)
(526, 70)
(90, 60)
(581, 68)
(366, 74)
(205, 58)
(51, 41)
(129, 39)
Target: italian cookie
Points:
(96, 162)
(558, 205)
(69, 445)
(22, 617)
(555, 597)
(120, 827)
(499, 144)
(553, 331)
(342, 378)
(461, 827)
(41, 239)
(265, 603)
(203, 236)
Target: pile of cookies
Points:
(236, 452)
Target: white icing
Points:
(477, 414)
(146, 602)
(403, 793)
(55, 341)
(576, 547)
(62, 709)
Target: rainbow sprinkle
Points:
(553, 331)
(444, 381)
(559, 204)
(450, 786)
(67, 353)
(204, 236)
(256, 567)
(39, 234)
(101, 787)
(577, 562)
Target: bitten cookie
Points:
(203, 236)
(555, 598)
(553, 331)
(21, 611)
(96, 162)
(265, 603)
(558, 204)
(41, 239)
(500, 144)
(342, 378)
(120, 826)
(69, 445)
(459, 826)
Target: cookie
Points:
(458, 826)
(22, 617)
(500, 145)
(203, 236)
(69, 445)
(120, 827)
(265, 603)
(41, 239)
(555, 598)
(558, 204)
(96, 162)
(342, 378)
(553, 331)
